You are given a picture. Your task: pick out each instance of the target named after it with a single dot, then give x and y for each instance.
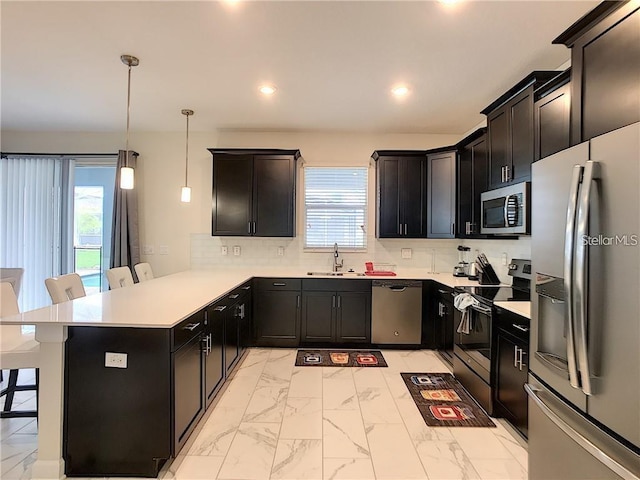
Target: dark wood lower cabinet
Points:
(276, 307)
(336, 311)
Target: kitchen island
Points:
(162, 303)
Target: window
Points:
(335, 201)
(49, 206)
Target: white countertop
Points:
(165, 301)
(521, 308)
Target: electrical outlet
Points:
(147, 250)
(115, 360)
(504, 258)
(163, 249)
(281, 251)
(236, 250)
(224, 250)
(406, 252)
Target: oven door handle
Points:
(486, 311)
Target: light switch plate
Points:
(281, 251)
(504, 258)
(236, 250)
(115, 360)
(224, 250)
(148, 250)
(406, 252)
(163, 249)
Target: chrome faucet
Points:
(336, 265)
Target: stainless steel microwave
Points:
(507, 210)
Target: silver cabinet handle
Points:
(405, 228)
(533, 393)
(339, 301)
(220, 308)
(520, 360)
(468, 228)
(591, 173)
(298, 301)
(254, 228)
(333, 301)
(569, 247)
(279, 284)
(515, 356)
(191, 326)
(247, 287)
(399, 229)
(502, 174)
(234, 296)
(249, 228)
(522, 328)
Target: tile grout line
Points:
(366, 437)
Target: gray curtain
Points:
(125, 244)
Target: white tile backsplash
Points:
(206, 253)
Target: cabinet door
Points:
(231, 340)
(413, 199)
(521, 133)
(318, 311)
(441, 194)
(388, 197)
(511, 379)
(214, 359)
(245, 337)
(465, 193)
(188, 390)
(232, 195)
(551, 118)
(277, 318)
(606, 68)
(353, 317)
(274, 197)
(498, 134)
(480, 182)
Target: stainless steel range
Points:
(474, 345)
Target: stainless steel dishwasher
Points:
(396, 312)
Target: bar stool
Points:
(17, 350)
(119, 277)
(143, 272)
(65, 287)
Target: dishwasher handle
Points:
(397, 288)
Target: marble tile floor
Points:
(277, 421)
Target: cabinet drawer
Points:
(278, 283)
(336, 285)
(187, 329)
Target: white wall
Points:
(185, 228)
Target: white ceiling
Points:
(333, 62)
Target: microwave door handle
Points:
(506, 210)
(569, 250)
(581, 270)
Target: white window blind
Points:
(336, 207)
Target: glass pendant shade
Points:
(185, 195)
(126, 178)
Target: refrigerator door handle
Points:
(584, 442)
(581, 272)
(569, 249)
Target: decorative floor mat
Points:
(340, 358)
(443, 401)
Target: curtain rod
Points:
(61, 155)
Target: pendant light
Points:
(185, 195)
(126, 172)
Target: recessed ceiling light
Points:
(267, 89)
(448, 2)
(400, 91)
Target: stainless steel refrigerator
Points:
(584, 382)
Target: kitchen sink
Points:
(336, 274)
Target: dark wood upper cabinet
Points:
(551, 113)
(401, 177)
(510, 131)
(441, 194)
(605, 73)
(254, 192)
(472, 181)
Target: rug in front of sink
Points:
(443, 401)
(340, 358)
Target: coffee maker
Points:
(462, 268)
